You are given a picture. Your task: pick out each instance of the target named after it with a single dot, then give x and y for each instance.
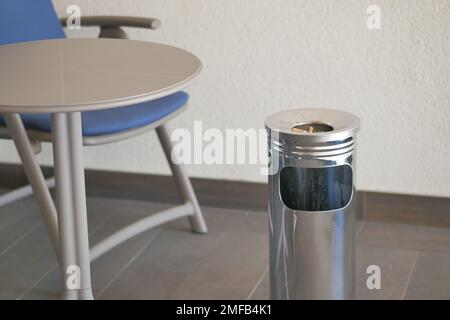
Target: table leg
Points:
(71, 205)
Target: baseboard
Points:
(157, 188)
(382, 207)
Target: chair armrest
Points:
(117, 21)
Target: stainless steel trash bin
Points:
(312, 204)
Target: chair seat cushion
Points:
(109, 121)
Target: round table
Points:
(64, 77)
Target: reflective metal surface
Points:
(344, 124)
(312, 205)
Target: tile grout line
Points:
(22, 296)
(54, 267)
(409, 277)
(127, 265)
(257, 284)
(199, 264)
(358, 232)
(23, 236)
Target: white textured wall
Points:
(263, 56)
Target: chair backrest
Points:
(28, 20)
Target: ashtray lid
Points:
(314, 125)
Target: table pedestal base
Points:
(82, 294)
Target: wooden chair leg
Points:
(182, 181)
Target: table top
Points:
(68, 75)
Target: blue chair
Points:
(30, 20)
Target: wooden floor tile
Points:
(401, 236)
(431, 277)
(231, 270)
(395, 265)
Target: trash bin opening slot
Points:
(316, 189)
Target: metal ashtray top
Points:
(314, 125)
